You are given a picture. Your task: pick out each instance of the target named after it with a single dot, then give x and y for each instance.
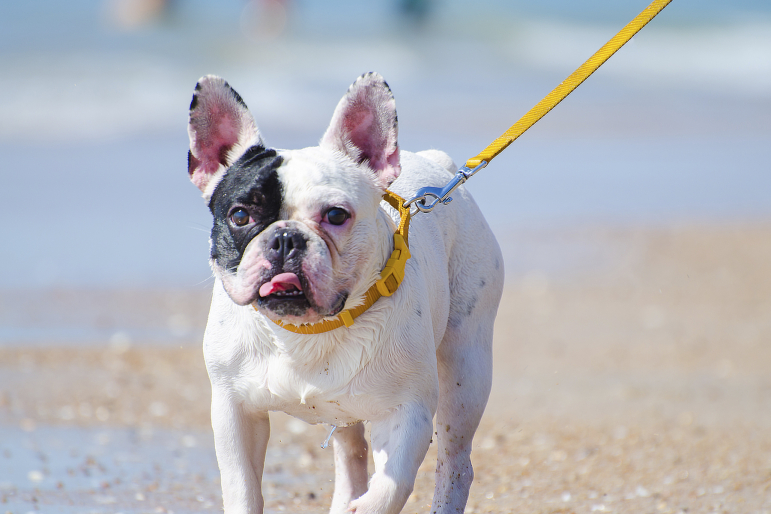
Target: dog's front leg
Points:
(240, 440)
(399, 444)
(350, 466)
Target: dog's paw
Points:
(384, 496)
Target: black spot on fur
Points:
(197, 86)
(190, 162)
(418, 312)
(236, 96)
(251, 183)
(194, 101)
(482, 283)
(223, 155)
(470, 305)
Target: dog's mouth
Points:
(283, 285)
(283, 295)
(288, 293)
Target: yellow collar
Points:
(390, 278)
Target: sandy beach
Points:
(633, 342)
(640, 384)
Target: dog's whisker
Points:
(205, 281)
(199, 229)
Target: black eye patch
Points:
(253, 185)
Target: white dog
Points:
(299, 238)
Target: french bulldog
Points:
(298, 237)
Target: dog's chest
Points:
(325, 391)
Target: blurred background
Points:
(95, 98)
(656, 168)
(674, 128)
(93, 134)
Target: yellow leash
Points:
(393, 273)
(569, 84)
(442, 195)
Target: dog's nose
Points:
(286, 244)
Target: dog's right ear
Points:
(221, 129)
(364, 127)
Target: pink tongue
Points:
(280, 282)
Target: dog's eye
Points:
(240, 217)
(337, 216)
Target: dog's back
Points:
(457, 233)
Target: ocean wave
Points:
(731, 59)
(120, 87)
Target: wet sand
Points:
(640, 384)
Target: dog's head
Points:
(294, 230)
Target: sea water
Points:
(93, 141)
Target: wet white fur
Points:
(383, 370)
(425, 352)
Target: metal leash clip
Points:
(437, 195)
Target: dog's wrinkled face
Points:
(293, 230)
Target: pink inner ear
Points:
(214, 141)
(364, 135)
(364, 127)
(393, 159)
(371, 138)
(219, 122)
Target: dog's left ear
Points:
(364, 127)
